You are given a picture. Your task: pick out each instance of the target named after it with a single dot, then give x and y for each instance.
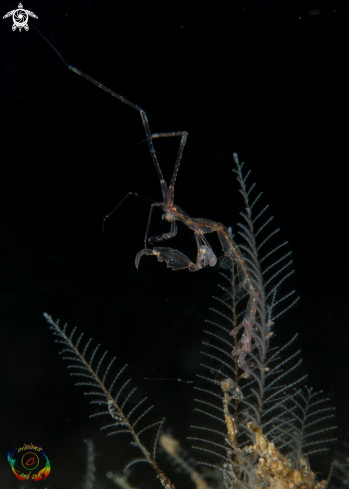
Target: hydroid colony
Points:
(257, 425)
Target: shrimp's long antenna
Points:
(149, 137)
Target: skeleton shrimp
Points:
(172, 213)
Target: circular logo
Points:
(20, 18)
(29, 462)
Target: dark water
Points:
(268, 81)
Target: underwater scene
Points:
(174, 254)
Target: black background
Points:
(268, 80)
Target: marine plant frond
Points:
(272, 267)
(183, 463)
(90, 466)
(114, 398)
(313, 423)
(254, 389)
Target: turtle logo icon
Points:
(20, 18)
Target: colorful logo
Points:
(29, 462)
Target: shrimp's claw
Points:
(175, 259)
(140, 254)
